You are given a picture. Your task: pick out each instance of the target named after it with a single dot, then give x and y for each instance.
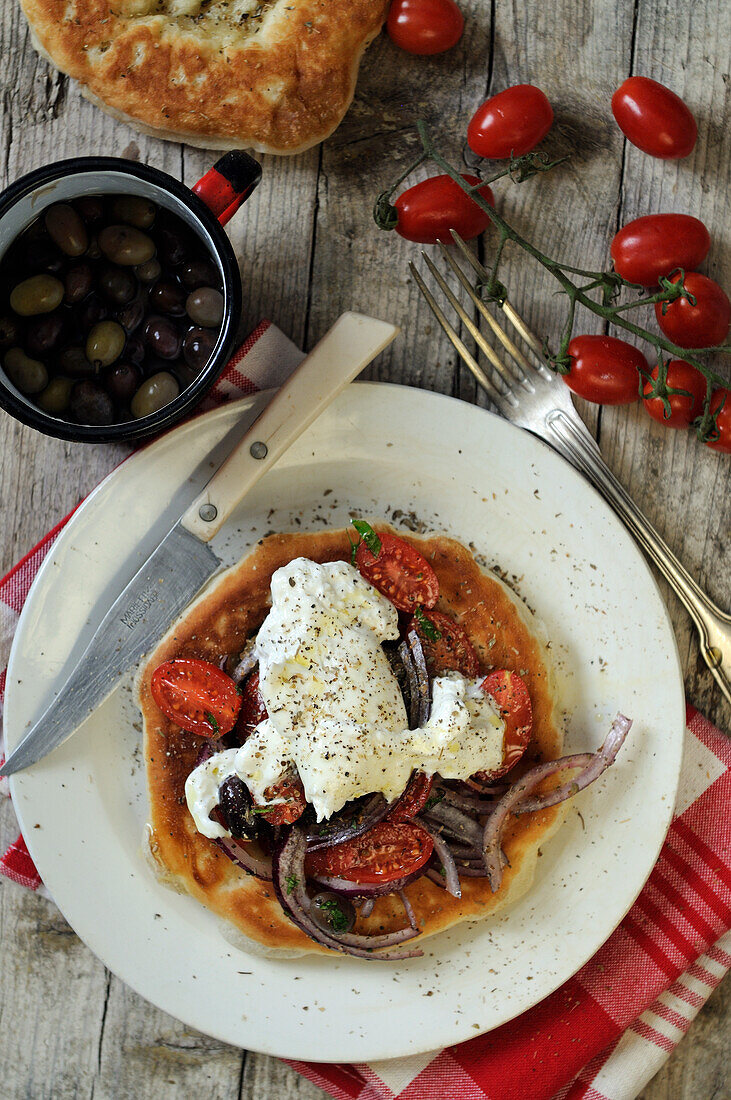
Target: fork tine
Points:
(525, 370)
(458, 344)
(515, 319)
(488, 351)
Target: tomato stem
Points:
(610, 283)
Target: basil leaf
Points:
(212, 722)
(368, 536)
(426, 626)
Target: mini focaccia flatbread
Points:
(272, 75)
(504, 635)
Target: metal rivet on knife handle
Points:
(208, 512)
(258, 450)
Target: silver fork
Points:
(530, 395)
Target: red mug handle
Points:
(228, 184)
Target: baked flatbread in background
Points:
(504, 635)
(276, 76)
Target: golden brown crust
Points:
(219, 622)
(272, 75)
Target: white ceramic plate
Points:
(381, 451)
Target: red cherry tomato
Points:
(428, 210)
(684, 408)
(425, 26)
(605, 370)
(285, 813)
(399, 572)
(658, 244)
(196, 695)
(414, 798)
(510, 695)
(253, 708)
(654, 119)
(385, 853)
(702, 325)
(511, 122)
(453, 651)
(721, 404)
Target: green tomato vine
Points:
(605, 285)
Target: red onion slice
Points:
(409, 910)
(289, 885)
(240, 854)
(473, 804)
(591, 764)
(407, 660)
(350, 889)
(455, 822)
(353, 820)
(422, 677)
(366, 907)
(450, 879)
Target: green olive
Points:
(39, 294)
(154, 394)
(55, 398)
(134, 210)
(29, 375)
(66, 229)
(125, 245)
(105, 343)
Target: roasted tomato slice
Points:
(196, 695)
(414, 798)
(511, 697)
(385, 853)
(285, 813)
(253, 708)
(451, 652)
(399, 572)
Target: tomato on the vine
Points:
(684, 407)
(386, 852)
(605, 370)
(425, 26)
(721, 406)
(196, 695)
(647, 248)
(702, 325)
(654, 119)
(510, 123)
(400, 572)
(428, 210)
(510, 695)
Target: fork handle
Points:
(713, 625)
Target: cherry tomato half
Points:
(605, 370)
(684, 408)
(253, 708)
(453, 651)
(285, 813)
(658, 244)
(721, 400)
(399, 572)
(386, 852)
(654, 119)
(510, 695)
(414, 798)
(428, 210)
(425, 26)
(511, 122)
(702, 325)
(196, 695)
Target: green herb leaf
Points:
(292, 881)
(368, 536)
(433, 799)
(426, 626)
(211, 720)
(338, 919)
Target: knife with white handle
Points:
(183, 561)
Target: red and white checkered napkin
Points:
(608, 1030)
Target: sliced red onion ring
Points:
(366, 907)
(472, 805)
(289, 885)
(247, 662)
(409, 910)
(422, 677)
(591, 764)
(350, 889)
(412, 678)
(241, 855)
(599, 762)
(455, 822)
(450, 881)
(353, 820)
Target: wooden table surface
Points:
(308, 250)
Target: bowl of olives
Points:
(120, 294)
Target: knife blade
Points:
(183, 562)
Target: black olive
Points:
(44, 333)
(9, 332)
(199, 273)
(90, 404)
(237, 808)
(168, 297)
(135, 351)
(162, 337)
(117, 284)
(91, 208)
(173, 244)
(132, 315)
(122, 381)
(198, 347)
(332, 912)
(89, 312)
(78, 283)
